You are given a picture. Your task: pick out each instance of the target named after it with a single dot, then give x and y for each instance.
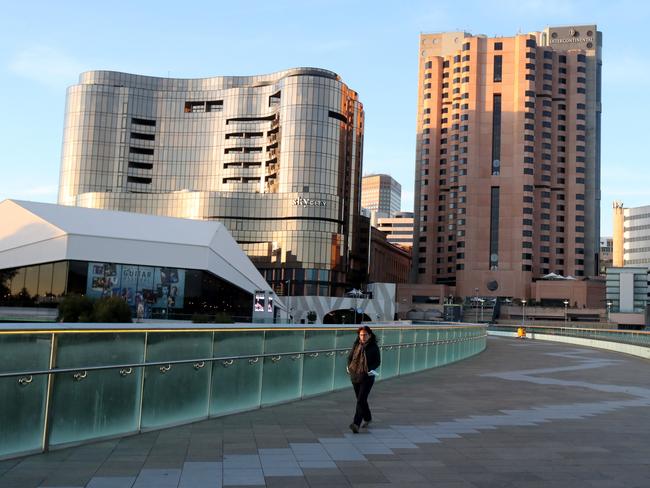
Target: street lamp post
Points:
(476, 304)
(566, 317)
(481, 301)
(609, 311)
(288, 283)
(523, 314)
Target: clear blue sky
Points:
(373, 45)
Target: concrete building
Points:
(507, 177)
(381, 194)
(606, 254)
(627, 296)
(388, 263)
(631, 241)
(173, 267)
(398, 229)
(276, 158)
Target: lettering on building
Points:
(308, 202)
(572, 40)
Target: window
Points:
(138, 179)
(136, 165)
(498, 66)
(140, 150)
(531, 43)
(498, 46)
(147, 122)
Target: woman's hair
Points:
(367, 329)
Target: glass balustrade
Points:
(61, 387)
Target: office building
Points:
(381, 194)
(627, 296)
(276, 158)
(631, 240)
(507, 182)
(398, 229)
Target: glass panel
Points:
(318, 371)
(281, 379)
(31, 280)
(59, 273)
(23, 405)
(389, 354)
(236, 387)
(432, 349)
(344, 339)
(180, 393)
(103, 403)
(407, 352)
(45, 280)
(18, 281)
(420, 360)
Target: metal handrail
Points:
(221, 358)
(618, 331)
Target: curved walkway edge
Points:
(521, 414)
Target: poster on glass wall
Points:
(258, 306)
(103, 280)
(269, 306)
(129, 284)
(169, 287)
(152, 287)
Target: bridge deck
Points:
(521, 414)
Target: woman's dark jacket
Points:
(373, 358)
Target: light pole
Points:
(609, 311)
(523, 314)
(481, 301)
(288, 283)
(476, 304)
(566, 317)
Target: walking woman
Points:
(363, 360)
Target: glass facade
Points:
(276, 158)
(164, 292)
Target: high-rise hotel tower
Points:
(507, 184)
(276, 158)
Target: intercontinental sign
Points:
(574, 37)
(572, 40)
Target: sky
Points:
(373, 45)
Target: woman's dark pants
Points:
(362, 390)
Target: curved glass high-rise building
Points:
(276, 158)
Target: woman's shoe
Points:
(354, 428)
(365, 424)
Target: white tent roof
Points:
(32, 233)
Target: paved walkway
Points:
(521, 414)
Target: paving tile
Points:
(111, 482)
(160, 478)
(243, 477)
(201, 474)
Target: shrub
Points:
(75, 308)
(111, 310)
(218, 318)
(201, 318)
(222, 318)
